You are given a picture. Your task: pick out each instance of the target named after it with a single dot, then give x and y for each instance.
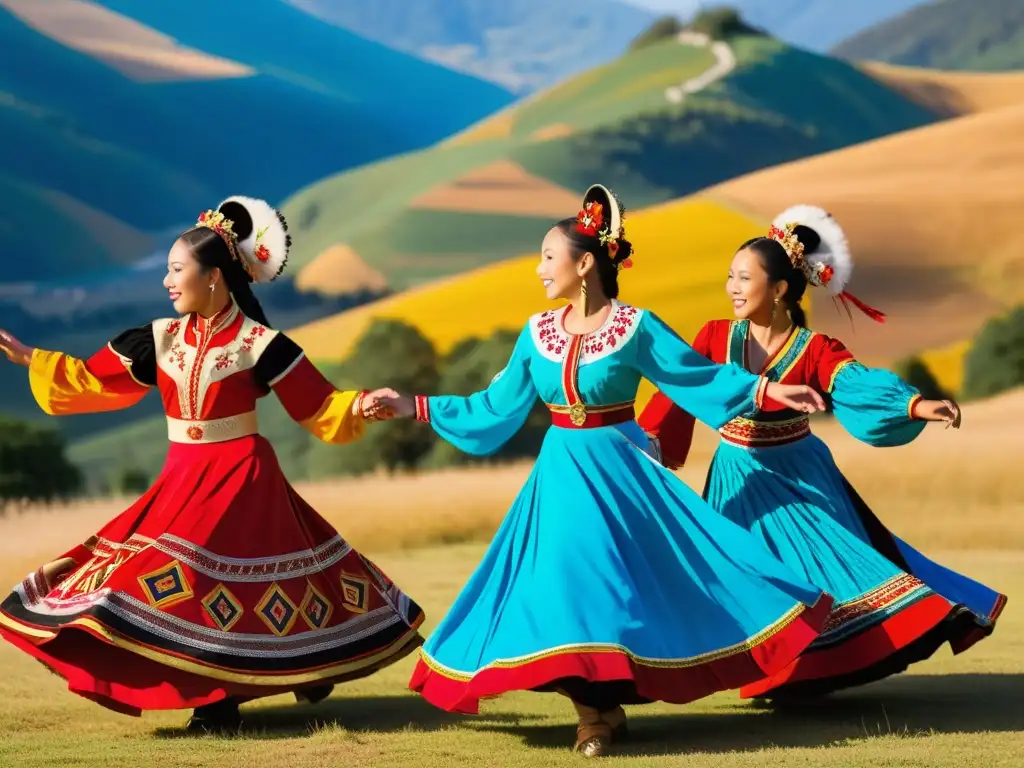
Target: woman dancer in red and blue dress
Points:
(770, 475)
(220, 584)
(609, 580)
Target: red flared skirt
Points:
(220, 581)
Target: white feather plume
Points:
(834, 250)
(265, 250)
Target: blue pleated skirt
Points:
(609, 568)
(893, 605)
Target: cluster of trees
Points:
(719, 23)
(392, 353)
(33, 465)
(994, 363)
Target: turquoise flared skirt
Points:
(893, 606)
(608, 569)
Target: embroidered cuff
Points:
(422, 409)
(762, 387)
(912, 407)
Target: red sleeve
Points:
(830, 357)
(669, 424)
(302, 389)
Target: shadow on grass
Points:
(370, 713)
(911, 705)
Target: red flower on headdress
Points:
(590, 219)
(262, 253)
(825, 274)
(627, 264)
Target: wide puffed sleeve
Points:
(667, 425)
(484, 421)
(116, 377)
(874, 405)
(713, 393)
(329, 414)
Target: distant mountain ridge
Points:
(527, 45)
(522, 44)
(977, 35)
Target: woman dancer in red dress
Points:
(220, 584)
(771, 475)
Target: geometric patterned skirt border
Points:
(130, 654)
(877, 635)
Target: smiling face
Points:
(748, 286)
(187, 281)
(560, 273)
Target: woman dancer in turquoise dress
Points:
(609, 581)
(770, 475)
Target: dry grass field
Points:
(955, 495)
(951, 93)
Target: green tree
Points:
(33, 464)
(472, 372)
(995, 362)
(721, 23)
(393, 354)
(916, 373)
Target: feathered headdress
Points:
(829, 263)
(256, 235)
(603, 216)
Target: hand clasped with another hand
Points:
(384, 404)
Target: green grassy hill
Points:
(612, 124)
(979, 35)
(128, 155)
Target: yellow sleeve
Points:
(63, 385)
(339, 419)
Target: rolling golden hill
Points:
(933, 217)
(951, 93)
(683, 251)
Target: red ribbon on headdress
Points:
(848, 298)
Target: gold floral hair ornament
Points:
(602, 216)
(786, 237)
(263, 254)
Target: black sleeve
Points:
(281, 353)
(136, 347)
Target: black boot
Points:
(314, 695)
(221, 717)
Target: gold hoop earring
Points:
(212, 287)
(583, 295)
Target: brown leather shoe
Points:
(593, 740)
